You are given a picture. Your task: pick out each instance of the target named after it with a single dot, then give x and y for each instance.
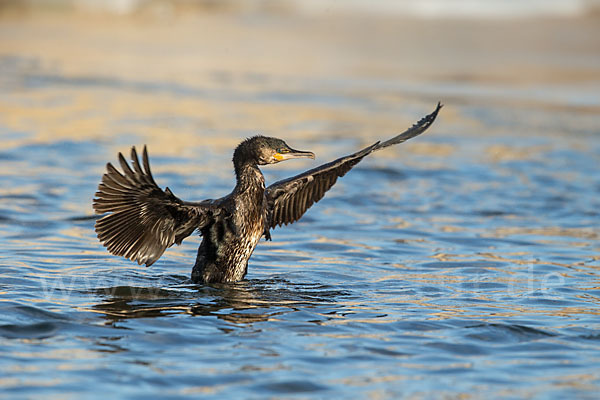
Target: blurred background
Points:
(232, 68)
(462, 264)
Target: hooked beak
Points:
(294, 154)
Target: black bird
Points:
(144, 220)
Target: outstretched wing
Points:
(144, 220)
(289, 199)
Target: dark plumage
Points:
(144, 220)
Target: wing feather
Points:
(143, 220)
(288, 199)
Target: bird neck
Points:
(248, 176)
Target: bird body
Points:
(233, 236)
(143, 220)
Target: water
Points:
(463, 263)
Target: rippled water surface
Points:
(462, 264)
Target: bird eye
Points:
(282, 150)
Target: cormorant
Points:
(144, 220)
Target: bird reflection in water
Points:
(244, 302)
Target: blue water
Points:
(462, 263)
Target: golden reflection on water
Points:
(581, 233)
(503, 153)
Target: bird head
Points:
(268, 150)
